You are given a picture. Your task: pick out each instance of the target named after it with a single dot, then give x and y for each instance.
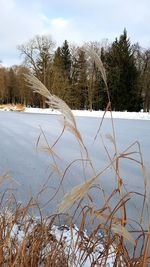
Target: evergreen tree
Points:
(66, 59)
(145, 81)
(58, 75)
(123, 76)
(98, 88)
(81, 85)
(99, 94)
(66, 69)
(43, 63)
(58, 62)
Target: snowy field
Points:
(30, 166)
(96, 114)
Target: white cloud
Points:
(62, 29)
(17, 26)
(59, 23)
(76, 21)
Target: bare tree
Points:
(38, 54)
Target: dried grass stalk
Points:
(77, 193)
(56, 103)
(118, 229)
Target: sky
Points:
(77, 21)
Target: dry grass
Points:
(120, 240)
(13, 107)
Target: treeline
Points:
(71, 73)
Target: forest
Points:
(71, 74)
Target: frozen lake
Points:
(31, 167)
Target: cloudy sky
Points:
(74, 20)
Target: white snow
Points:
(83, 113)
(96, 114)
(71, 242)
(70, 237)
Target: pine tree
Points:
(99, 94)
(66, 59)
(43, 64)
(145, 80)
(66, 68)
(82, 89)
(123, 76)
(58, 62)
(58, 75)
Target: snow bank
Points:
(80, 113)
(96, 114)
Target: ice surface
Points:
(31, 166)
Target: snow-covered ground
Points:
(68, 238)
(76, 244)
(96, 114)
(84, 113)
